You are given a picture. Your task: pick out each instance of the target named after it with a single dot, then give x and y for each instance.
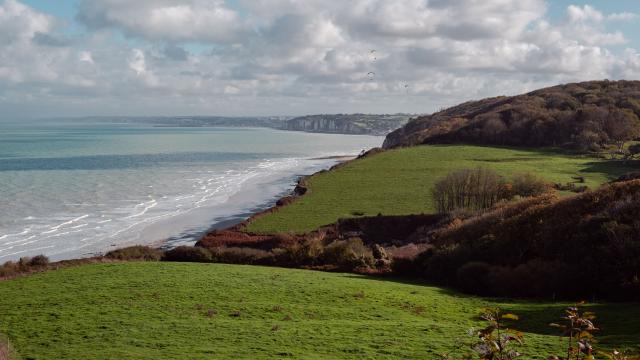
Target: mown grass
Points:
(399, 182)
(214, 311)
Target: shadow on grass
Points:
(619, 323)
(613, 168)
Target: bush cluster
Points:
(528, 185)
(188, 254)
(347, 255)
(24, 265)
(143, 253)
(582, 247)
(481, 189)
(473, 189)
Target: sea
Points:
(71, 189)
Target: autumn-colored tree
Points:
(622, 126)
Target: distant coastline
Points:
(346, 124)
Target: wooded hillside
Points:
(584, 116)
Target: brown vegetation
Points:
(235, 238)
(476, 189)
(528, 185)
(585, 116)
(141, 253)
(481, 189)
(544, 247)
(24, 265)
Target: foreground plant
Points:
(579, 328)
(496, 340)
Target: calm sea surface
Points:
(69, 189)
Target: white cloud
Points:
(623, 16)
(189, 20)
(19, 22)
(86, 56)
(584, 13)
(137, 62)
(300, 56)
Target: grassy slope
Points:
(152, 311)
(399, 182)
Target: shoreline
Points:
(232, 222)
(281, 200)
(223, 223)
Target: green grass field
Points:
(214, 311)
(399, 182)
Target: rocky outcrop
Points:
(356, 124)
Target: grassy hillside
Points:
(399, 182)
(205, 311)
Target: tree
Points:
(476, 189)
(588, 140)
(492, 130)
(528, 184)
(622, 125)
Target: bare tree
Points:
(473, 189)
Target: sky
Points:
(293, 57)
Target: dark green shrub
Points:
(143, 253)
(634, 150)
(237, 255)
(188, 254)
(536, 278)
(473, 277)
(39, 261)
